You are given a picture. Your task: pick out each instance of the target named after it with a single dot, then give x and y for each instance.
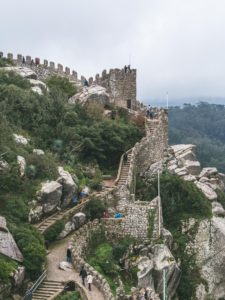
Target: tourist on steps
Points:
(69, 255)
(83, 274)
(125, 157)
(89, 281)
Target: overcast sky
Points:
(176, 45)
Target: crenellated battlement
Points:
(120, 84)
(43, 69)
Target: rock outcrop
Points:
(164, 260)
(90, 94)
(22, 165)
(19, 139)
(183, 162)
(50, 196)
(151, 270)
(208, 247)
(8, 246)
(69, 187)
(78, 220)
(207, 243)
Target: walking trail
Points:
(57, 254)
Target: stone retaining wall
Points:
(79, 247)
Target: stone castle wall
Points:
(149, 150)
(121, 86)
(44, 69)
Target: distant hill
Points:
(189, 100)
(202, 124)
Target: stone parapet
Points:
(43, 69)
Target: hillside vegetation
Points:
(70, 135)
(204, 126)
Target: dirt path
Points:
(56, 255)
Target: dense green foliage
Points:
(7, 266)
(53, 231)
(105, 256)
(69, 296)
(63, 84)
(204, 126)
(70, 135)
(94, 209)
(31, 244)
(4, 62)
(181, 200)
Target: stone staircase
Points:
(124, 171)
(45, 224)
(151, 125)
(48, 290)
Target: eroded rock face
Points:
(68, 228)
(22, 71)
(207, 191)
(18, 276)
(183, 163)
(8, 246)
(35, 214)
(78, 220)
(50, 195)
(68, 184)
(217, 209)
(164, 260)
(89, 94)
(145, 275)
(209, 248)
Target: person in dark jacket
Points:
(83, 274)
(69, 255)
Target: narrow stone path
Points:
(57, 253)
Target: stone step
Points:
(47, 289)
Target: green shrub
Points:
(63, 84)
(41, 166)
(31, 244)
(121, 248)
(16, 209)
(4, 62)
(94, 209)
(53, 231)
(11, 78)
(7, 266)
(69, 296)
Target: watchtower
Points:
(121, 86)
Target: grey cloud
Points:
(176, 45)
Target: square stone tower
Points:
(121, 86)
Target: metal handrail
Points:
(40, 279)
